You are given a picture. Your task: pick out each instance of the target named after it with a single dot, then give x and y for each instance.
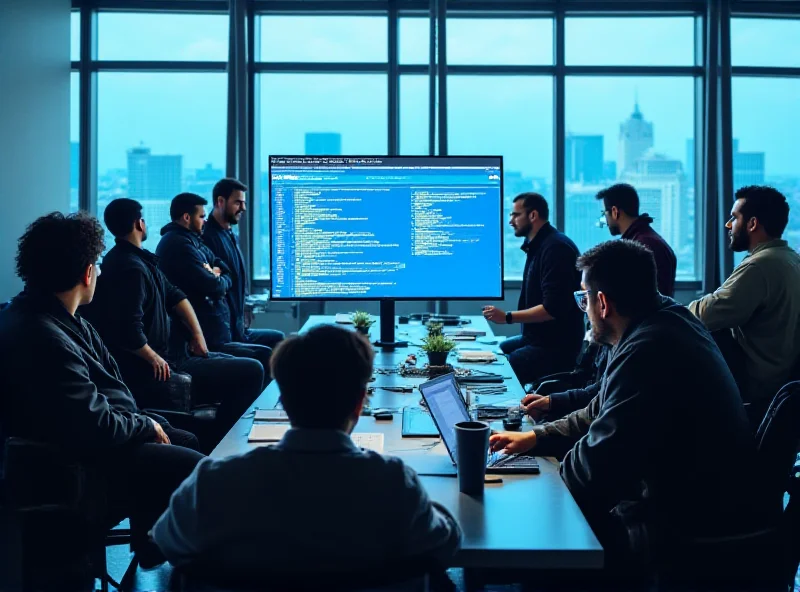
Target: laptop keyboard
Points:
(497, 459)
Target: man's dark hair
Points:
(55, 250)
(185, 203)
(225, 188)
(120, 216)
(534, 201)
(625, 271)
(621, 195)
(322, 375)
(768, 205)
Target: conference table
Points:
(526, 522)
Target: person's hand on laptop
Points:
(512, 442)
(535, 405)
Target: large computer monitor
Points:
(386, 228)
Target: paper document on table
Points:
(271, 415)
(267, 432)
(369, 440)
(344, 318)
(476, 356)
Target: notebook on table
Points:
(273, 432)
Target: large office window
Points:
(324, 106)
(766, 118)
(636, 129)
(160, 130)
(493, 112)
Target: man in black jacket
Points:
(63, 388)
(650, 477)
(552, 328)
(205, 279)
(230, 204)
(131, 311)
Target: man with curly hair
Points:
(65, 390)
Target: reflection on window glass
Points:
(765, 42)
(627, 41)
(314, 114)
(74, 134)
(159, 134)
(75, 37)
(175, 37)
(766, 125)
(414, 40)
(638, 131)
(513, 41)
(323, 38)
(510, 116)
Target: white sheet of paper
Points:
(267, 432)
(369, 440)
(343, 318)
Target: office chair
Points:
(765, 558)
(48, 501)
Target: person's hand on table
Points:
(512, 442)
(535, 406)
(494, 314)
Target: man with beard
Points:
(649, 477)
(755, 314)
(621, 215)
(552, 328)
(229, 205)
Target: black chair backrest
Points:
(778, 437)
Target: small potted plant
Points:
(363, 321)
(437, 347)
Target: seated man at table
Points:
(657, 457)
(63, 388)
(314, 502)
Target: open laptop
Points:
(447, 408)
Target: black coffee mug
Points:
(472, 447)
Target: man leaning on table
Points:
(656, 458)
(314, 501)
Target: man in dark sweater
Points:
(650, 477)
(230, 203)
(205, 279)
(132, 310)
(552, 328)
(621, 214)
(63, 388)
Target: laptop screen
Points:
(446, 407)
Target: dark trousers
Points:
(267, 337)
(233, 383)
(254, 351)
(141, 482)
(737, 363)
(531, 362)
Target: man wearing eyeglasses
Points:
(552, 328)
(621, 215)
(627, 445)
(755, 314)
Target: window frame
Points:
(436, 11)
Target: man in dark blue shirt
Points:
(552, 328)
(229, 205)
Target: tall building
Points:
(748, 167)
(690, 161)
(153, 176)
(584, 159)
(582, 215)
(635, 139)
(323, 144)
(610, 170)
(661, 184)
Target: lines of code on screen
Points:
(349, 227)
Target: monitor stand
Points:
(387, 341)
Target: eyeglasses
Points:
(582, 299)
